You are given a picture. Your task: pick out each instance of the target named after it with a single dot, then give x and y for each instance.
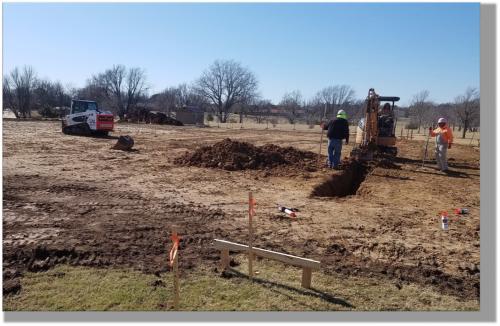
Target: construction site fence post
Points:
(224, 259)
(306, 277)
(176, 282)
(250, 236)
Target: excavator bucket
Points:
(124, 143)
(364, 153)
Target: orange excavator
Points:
(376, 131)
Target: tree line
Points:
(225, 87)
(463, 112)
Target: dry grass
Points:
(275, 288)
(470, 138)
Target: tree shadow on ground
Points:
(230, 272)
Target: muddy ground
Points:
(72, 199)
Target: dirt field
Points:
(70, 199)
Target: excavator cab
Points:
(376, 130)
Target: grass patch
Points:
(275, 288)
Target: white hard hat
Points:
(340, 112)
(442, 120)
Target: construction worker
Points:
(444, 139)
(338, 129)
(385, 121)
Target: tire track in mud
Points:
(99, 227)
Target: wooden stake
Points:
(426, 146)
(224, 259)
(402, 132)
(472, 138)
(176, 283)
(250, 236)
(321, 138)
(306, 277)
(176, 272)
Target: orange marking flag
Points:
(173, 252)
(251, 206)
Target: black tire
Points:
(84, 129)
(64, 129)
(101, 133)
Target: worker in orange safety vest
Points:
(444, 139)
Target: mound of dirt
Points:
(11, 286)
(234, 155)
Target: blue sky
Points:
(399, 49)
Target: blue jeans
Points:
(334, 151)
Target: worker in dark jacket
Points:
(338, 129)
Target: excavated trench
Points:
(345, 183)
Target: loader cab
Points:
(79, 106)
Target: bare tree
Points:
(261, 109)
(313, 111)
(336, 97)
(8, 97)
(47, 95)
(20, 85)
(173, 98)
(121, 88)
(94, 90)
(292, 102)
(166, 101)
(419, 107)
(225, 84)
(355, 110)
(135, 87)
(112, 80)
(467, 108)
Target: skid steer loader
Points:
(85, 118)
(376, 130)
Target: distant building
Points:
(8, 114)
(189, 114)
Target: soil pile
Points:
(234, 155)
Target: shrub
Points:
(273, 121)
(48, 112)
(412, 125)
